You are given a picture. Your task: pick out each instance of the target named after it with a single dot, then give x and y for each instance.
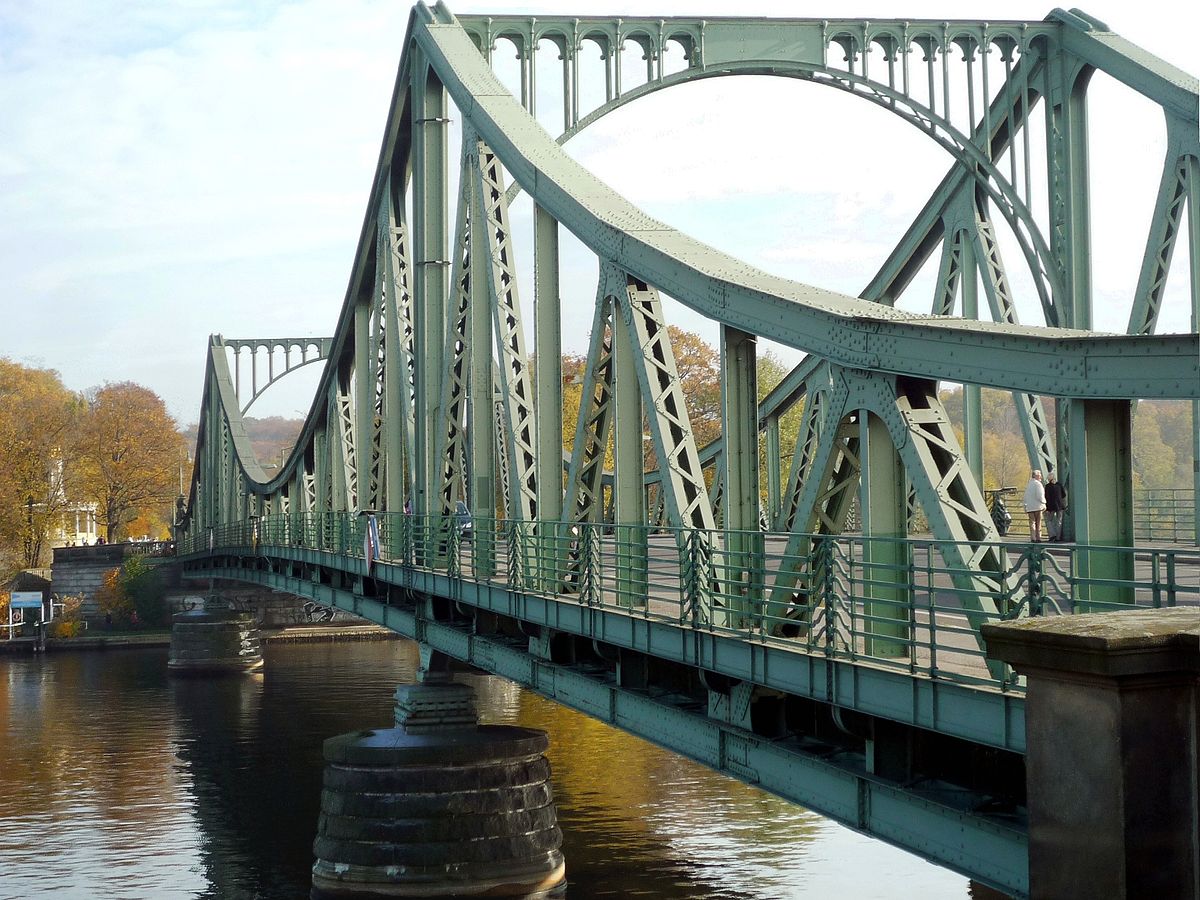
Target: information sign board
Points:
(26, 600)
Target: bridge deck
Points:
(892, 603)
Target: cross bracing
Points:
(433, 393)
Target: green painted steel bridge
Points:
(720, 604)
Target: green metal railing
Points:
(1165, 515)
(889, 602)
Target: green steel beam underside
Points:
(929, 823)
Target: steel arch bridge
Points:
(432, 392)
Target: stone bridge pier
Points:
(268, 608)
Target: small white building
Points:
(77, 527)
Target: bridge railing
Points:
(1167, 514)
(887, 601)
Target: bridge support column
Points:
(1111, 767)
(1101, 494)
(628, 457)
(743, 538)
(883, 510)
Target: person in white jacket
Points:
(1035, 504)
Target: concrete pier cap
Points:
(1111, 719)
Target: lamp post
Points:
(29, 561)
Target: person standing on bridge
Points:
(1035, 505)
(1056, 505)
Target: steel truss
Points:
(430, 394)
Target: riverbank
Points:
(129, 640)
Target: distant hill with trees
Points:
(271, 437)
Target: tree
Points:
(129, 454)
(38, 420)
(770, 372)
(699, 366)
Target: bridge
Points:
(719, 604)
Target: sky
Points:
(170, 170)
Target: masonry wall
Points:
(79, 572)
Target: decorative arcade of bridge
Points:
(429, 489)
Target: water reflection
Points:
(91, 800)
(120, 782)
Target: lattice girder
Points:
(687, 499)
(586, 469)
(399, 335)
(1180, 180)
(515, 383)
(451, 436)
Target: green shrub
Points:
(143, 586)
(135, 587)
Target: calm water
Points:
(117, 781)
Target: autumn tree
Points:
(129, 455)
(770, 373)
(38, 420)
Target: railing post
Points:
(823, 562)
(589, 564)
(698, 578)
(1036, 574)
(406, 539)
(517, 548)
(453, 550)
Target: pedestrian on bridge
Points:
(1035, 505)
(1056, 505)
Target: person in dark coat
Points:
(1056, 505)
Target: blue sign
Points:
(26, 600)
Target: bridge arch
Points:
(966, 153)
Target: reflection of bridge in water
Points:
(844, 672)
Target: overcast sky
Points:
(170, 170)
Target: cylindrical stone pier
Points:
(438, 806)
(214, 641)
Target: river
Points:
(118, 781)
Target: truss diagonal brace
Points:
(686, 496)
(516, 385)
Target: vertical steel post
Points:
(481, 383)
(1070, 233)
(739, 411)
(972, 405)
(628, 448)
(337, 450)
(1193, 207)
(431, 253)
(548, 387)
(321, 503)
(774, 470)
(883, 509)
(548, 347)
(1101, 493)
(395, 370)
(364, 392)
